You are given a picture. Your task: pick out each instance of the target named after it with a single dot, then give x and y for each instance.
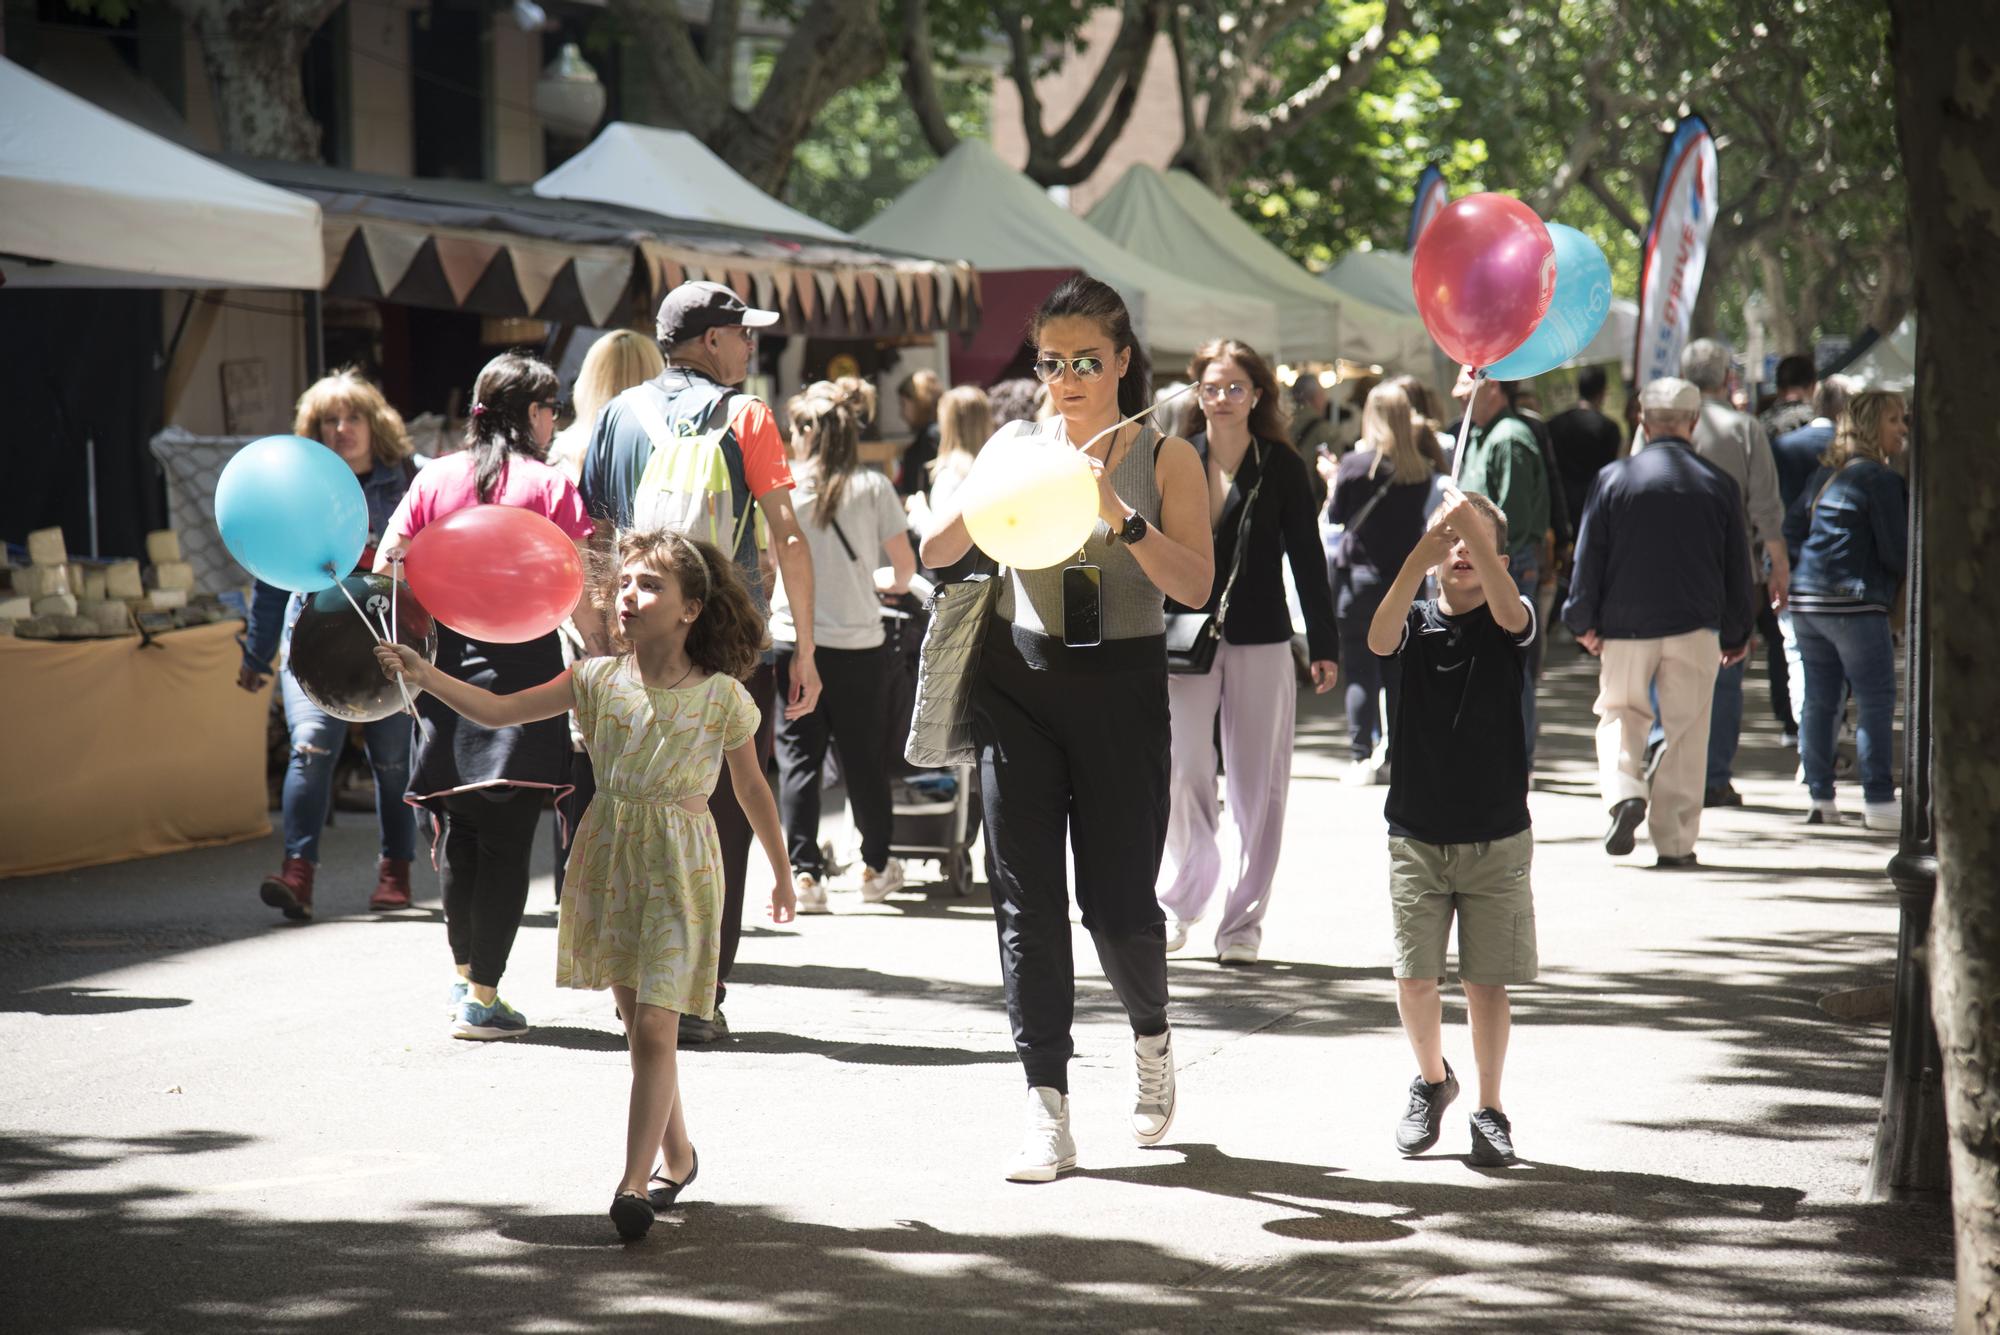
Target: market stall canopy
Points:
(501, 250)
(88, 199)
(1375, 289)
(1179, 224)
(670, 172)
(974, 206)
(1617, 341)
(1887, 363)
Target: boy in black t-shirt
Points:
(1459, 840)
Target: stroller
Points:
(936, 811)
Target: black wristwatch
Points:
(1134, 529)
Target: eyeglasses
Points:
(1049, 369)
(551, 404)
(1235, 391)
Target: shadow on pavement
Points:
(84, 1001)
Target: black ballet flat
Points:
(663, 1198)
(632, 1214)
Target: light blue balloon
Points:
(1576, 312)
(292, 513)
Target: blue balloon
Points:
(1576, 312)
(292, 513)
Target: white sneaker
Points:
(1177, 933)
(1047, 1148)
(1882, 815)
(1153, 1096)
(877, 886)
(811, 894)
(1239, 953)
(1824, 812)
(1359, 774)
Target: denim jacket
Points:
(1854, 542)
(273, 610)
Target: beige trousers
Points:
(1684, 668)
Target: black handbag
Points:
(1192, 637)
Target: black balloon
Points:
(333, 652)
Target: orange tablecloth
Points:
(110, 751)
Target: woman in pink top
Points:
(485, 787)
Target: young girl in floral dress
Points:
(642, 908)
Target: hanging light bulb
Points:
(568, 96)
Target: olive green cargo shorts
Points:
(1486, 886)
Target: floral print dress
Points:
(642, 890)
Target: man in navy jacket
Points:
(1662, 594)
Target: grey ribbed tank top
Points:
(1133, 607)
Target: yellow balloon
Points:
(1030, 501)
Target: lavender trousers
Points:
(1253, 687)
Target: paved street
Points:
(214, 1121)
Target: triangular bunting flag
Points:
(463, 261)
(391, 250)
(535, 270)
(602, 282)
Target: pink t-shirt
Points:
(451, 484)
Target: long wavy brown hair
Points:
(1268, 418)
(728, 634)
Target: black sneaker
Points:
(1492, 1139)
(1668, 862)
(696, 1030)
(1625, 818)
(1725, 796)
(1656, 750)
(1418, 1130)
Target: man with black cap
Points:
(708, 335)
(1661, 593)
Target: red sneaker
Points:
(392, 885)
(291, 889)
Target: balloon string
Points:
(1158, 404)
(409, 705)
(1465, 426)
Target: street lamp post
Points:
(1909, 1158)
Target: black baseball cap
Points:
(694, 308)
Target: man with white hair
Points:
(1735, 442)
(1661, 593)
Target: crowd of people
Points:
(739, 564)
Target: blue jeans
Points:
(1851, 649)
(1527, 573)
(317, 739)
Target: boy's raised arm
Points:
(1385, 628)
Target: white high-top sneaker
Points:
(1153, 1095)
(1047, 1148)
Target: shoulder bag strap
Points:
(1242, 541)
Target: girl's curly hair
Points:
(728, 635)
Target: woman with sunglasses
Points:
(1260, 498)
(484, 787)
(1070, 719)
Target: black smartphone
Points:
(1083, 607)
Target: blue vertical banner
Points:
(1431, 198)
(1676, 250)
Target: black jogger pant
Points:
(854, 714)
(1073, 742)
(489, 834)
(733, 828)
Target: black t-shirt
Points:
(1460, 768)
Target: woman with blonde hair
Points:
(1379, 493)
(616, 362)
(1850, 527)
(964, 421)
(852, 521)
(350, 417)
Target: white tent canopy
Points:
(1378, 282)
(1889, 363)
(671, 172)
(1177, 223)
(1617, 341)
(102, 203)
(975, 207)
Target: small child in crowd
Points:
(642, 908)
(1459, 838)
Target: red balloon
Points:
(495, 573)
(1483, 275)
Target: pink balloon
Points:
(495, 573)
(1483, 275)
